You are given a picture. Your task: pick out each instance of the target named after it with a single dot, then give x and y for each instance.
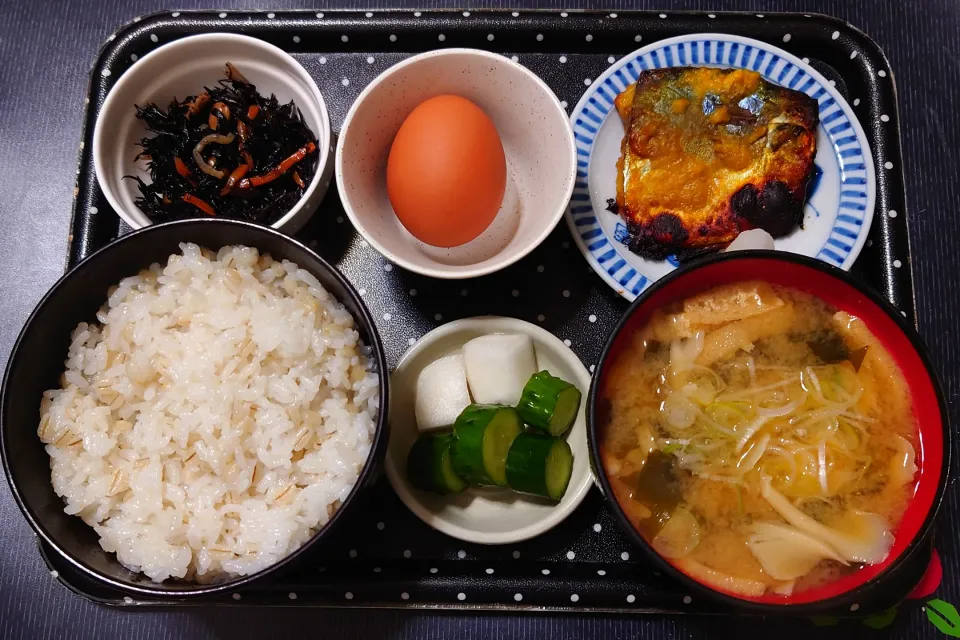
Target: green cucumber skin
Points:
(527, 464)
(452, 483)
(425, 465)
(467, 450)
(538, 403)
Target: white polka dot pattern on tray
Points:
(406, 328)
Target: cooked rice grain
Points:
(215, 418)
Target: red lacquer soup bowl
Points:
(901, 340)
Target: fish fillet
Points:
(709, 153)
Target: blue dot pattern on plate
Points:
(853, 167)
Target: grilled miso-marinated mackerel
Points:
(709, 153)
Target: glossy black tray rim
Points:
(368, 31)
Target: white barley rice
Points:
(215, 418)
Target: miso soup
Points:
(760, 440)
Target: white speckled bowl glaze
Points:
(537, 140)
(180, 69)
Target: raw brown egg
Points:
(446, 172)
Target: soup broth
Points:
(761, 440)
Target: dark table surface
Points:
(46, 50)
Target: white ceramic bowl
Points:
(485, 515)
(183, 68)
(536, 136)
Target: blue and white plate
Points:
(838, 212)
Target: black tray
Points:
(383, 556)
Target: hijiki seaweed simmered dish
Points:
(227, 152)
(762, 441)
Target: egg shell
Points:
(446, 171)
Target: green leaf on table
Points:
(824, 621)
(881, 620)
(944, 617)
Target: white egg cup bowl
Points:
(537, 141)
(183, 68)
(486, 515)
